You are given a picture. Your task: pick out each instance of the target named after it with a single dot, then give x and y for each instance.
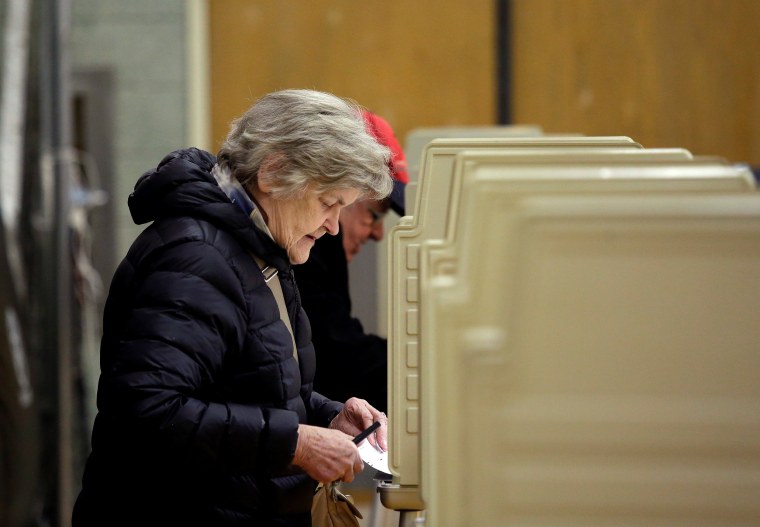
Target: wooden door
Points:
(417, 63)
(669, 73)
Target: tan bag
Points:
(332, 508)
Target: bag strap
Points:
(272, 279)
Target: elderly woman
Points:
(206, 413)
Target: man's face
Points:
(361, 221)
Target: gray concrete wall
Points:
(143, 43)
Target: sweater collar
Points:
(237, 194)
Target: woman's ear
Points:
(268, 172)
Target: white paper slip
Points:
(373, 457)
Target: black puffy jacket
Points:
(200, 396)
(352, 363)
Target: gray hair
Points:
(317, 140)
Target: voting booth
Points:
(573, 337)
(419, 138)
(368, 306)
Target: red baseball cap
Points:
(383, 133)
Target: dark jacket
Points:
(200, 396)
(351, 362)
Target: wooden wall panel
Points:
(417, 63)
(682, 73)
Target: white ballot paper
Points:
(373, 457)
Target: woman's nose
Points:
(331, 223)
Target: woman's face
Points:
(297, 223)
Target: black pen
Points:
(365, 434)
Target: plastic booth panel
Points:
(436, 210)
(437, 155)
(594, 361)
(419, 138)
(428, 223)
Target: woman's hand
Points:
(357, 415)
(327, 455)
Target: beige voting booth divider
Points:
(429, 222)
(419, 138)
(370, 257)
(427, 437)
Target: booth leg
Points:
(411, 519)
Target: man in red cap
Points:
(350, 362)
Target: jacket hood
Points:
(182, 185)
